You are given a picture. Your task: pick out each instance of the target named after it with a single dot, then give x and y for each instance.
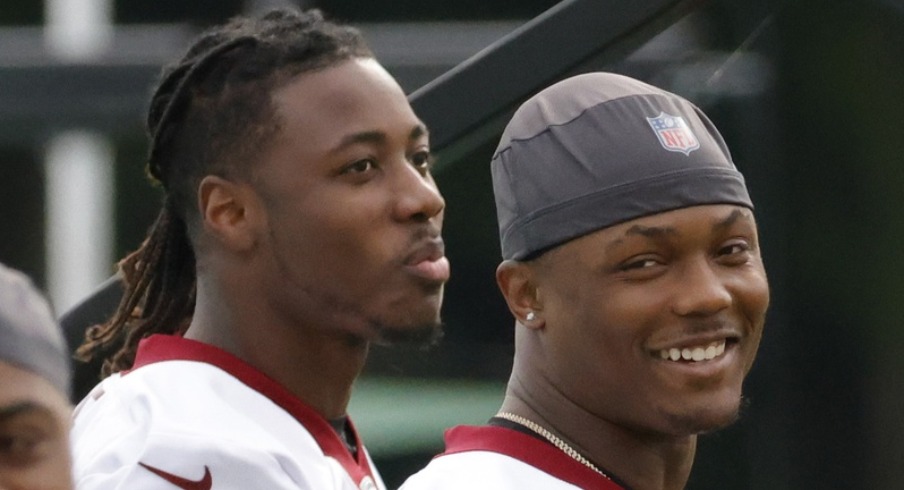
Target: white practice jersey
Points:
(499, 458)
(191, 416)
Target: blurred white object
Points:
(78, 30)
(79, 192)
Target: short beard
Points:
(422, 336)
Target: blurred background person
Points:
(34, 390)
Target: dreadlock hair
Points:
(210, 113)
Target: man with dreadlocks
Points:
(300, 223)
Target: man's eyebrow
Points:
(660, 231)
(729, 220)
(646, 231)
(650, 231)
(375, 137)
(13, 410)
(418, 131)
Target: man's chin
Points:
(707, 420)
(418, 335)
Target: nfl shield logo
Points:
(674, 134)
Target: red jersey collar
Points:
(528, 449)
(160, 348)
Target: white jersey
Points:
(191, 416)
(499, 458)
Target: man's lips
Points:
(434, 270)
(428, 261)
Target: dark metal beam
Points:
(470, 103)
(40, 94)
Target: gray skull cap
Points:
(30, 337)
(599, 149)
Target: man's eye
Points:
(422, 160)
(18, 449)
(734, 248)
(360, 166)
(639, 264)
(735, 253)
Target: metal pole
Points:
(78, 165)
(79, 195)
(78, 30)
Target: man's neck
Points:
(317, 366)
(641, 462)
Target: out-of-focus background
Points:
(808, 93)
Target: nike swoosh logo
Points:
(185, 484)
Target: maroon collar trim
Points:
(528, 449)
(160, 348)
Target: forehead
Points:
(355, 95)
(694, 219)
(18, 385)
(695, 222)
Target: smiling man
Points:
(34, 390)
(300, 223)
(633, 269)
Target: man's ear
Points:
(517, 281)
(230, 212)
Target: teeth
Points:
(694, 354)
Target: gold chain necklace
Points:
(549, 436)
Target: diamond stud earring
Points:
(530, 316)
